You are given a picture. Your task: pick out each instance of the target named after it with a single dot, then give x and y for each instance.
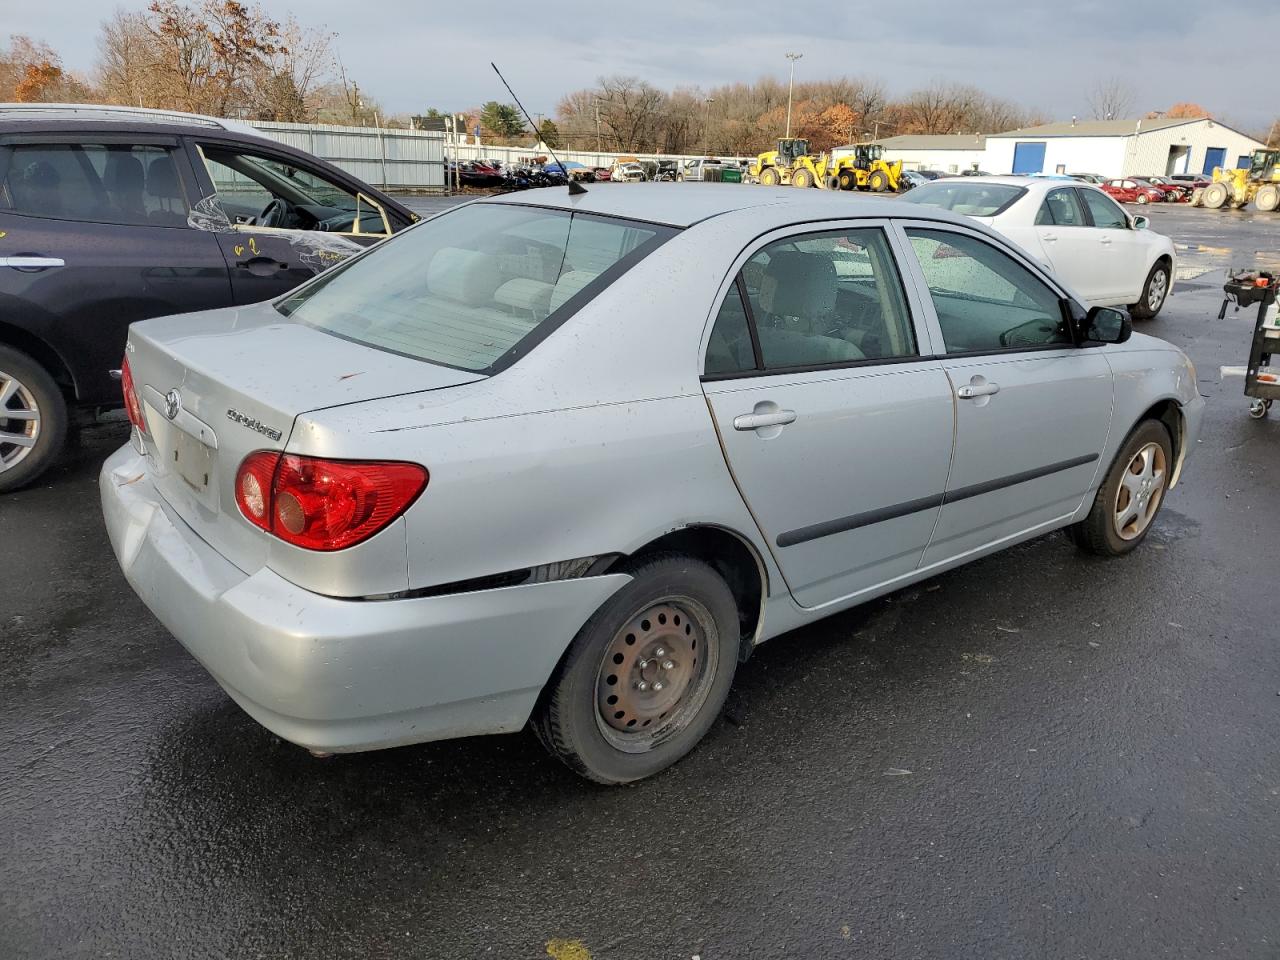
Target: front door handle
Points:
(32, 262)
(262, 266)
(770, 418)
(1105, 241)
(971, 391)
(1049, 237)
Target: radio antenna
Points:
(575, 187)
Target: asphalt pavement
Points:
(1040, 755)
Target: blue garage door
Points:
(1244, 163)
(1028, 158)
(1214, 157)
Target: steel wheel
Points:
(1141, 488)
(19, 421)
(655, 674)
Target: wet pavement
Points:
(1040, 755)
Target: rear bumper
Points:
(343, 675)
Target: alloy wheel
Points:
(656, 674)
(1140, 491)
(1157, 290)
(19, 421)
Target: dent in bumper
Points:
(343, 675)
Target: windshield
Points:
(477, 287)
(972, 199)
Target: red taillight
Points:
(132, 405)
(324, 504)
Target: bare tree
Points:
(1111, 98)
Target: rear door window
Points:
(1061, 208)
(98, 182)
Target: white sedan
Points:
(1107, 256)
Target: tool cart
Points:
(1246, 289)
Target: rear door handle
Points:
(1049, 237)
(971, 391)
(32, 262)
(754, 421)
(1105, 241)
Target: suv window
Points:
(817, 299)
(1061, 208)
(1105, 212)
(986, 300)
(104, 183)
(266, 192)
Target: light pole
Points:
(706, 127)
(793, 57)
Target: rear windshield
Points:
(971, 199)
(475, 288)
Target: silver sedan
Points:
(566, 459)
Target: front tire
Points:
(878, 182)
(1142, 198)
(802, 178)
(33, 420)
(646, 676)
(1154, 293)
(1125, 506)
(769, 177)
(1215, 196)
(848, 181)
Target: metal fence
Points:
(388, 158)
(414, 160)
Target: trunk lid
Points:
(218, 385)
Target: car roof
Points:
(1030, 184)
(685, 204)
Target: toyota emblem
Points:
(172, 404)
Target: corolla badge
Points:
(256, 425)
(172, 404)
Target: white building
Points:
(1119, 148)
(950, 154)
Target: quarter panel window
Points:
(103, 183)
(729, 350)
(1106, 213)
(828, 298)
(985, 300)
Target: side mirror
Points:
(1107, 325)
(1141, 223)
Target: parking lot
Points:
(1039, 755)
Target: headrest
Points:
(798, 284)
(522, 293)
(124, 173)
(467, 276)
(162, 179)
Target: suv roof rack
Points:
(97, 111)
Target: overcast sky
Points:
(413, 55)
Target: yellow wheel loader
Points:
(1259, 183)
(791, 163)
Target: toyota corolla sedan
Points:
(1106, 256)
(565, 460)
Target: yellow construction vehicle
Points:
(1260, 182)
(776, 167)
(867, 169)
(791, 163)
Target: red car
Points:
(1132, 191)
(1173, 191)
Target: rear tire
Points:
(1133, 491)
(1267, 198)
(646, 676)
(1154, 293)
(1215, 196)
(33, 415)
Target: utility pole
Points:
(793, 57)
(706, 127)
(599, 143)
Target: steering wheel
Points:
(273, 213)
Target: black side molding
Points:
(829, 527)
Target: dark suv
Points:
(111, 215)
